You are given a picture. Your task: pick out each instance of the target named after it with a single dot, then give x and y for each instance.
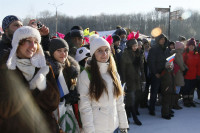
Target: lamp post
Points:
(56, 6)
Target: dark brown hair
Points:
(97, 83)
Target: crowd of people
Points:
(83, 83)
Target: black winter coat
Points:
(157, 56)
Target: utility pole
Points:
(56, 6)
(169, 22)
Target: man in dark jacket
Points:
(156, 61)
(75, 39)
(10, 24)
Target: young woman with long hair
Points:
(101, 95)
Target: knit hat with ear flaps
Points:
(191, 42)
(179, 45)
(97, 42)
(57, 43)
(38, 59)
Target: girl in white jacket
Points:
(101, 96)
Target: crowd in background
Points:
(81, 82)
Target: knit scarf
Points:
(27, 69)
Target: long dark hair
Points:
(97, 83)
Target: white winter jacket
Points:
(107, 114)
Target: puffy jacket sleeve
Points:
(123, 123)
(85, 107)
(151, 60)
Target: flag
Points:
(60, 35)
(86, 32)
(171, 58)
(109, 39)
(62, 86)
(163, 10)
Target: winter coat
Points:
(157, 56)
(198, 66)
(117, 53)
(191, 60)
(70, 74)
(178, 70)
(122, 45)
(132, 69)
(16, 109)
(105, 115)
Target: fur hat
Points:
(82, 53)
(8, 20)
(97, 42)
(76, 31)
(179, 45)
(191, 42)
(38, 59)
(57, 43)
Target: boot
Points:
(167, 117)
(135, 119)
(176, 105)
(186, 102)
(191, 101)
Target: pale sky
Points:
(23, 8)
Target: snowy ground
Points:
(186, 120)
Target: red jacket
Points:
(191, 60)
(198, 65)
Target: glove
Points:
(74, 72)
(143, 85)
(123, 130)
(72, 97)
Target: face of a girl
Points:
(134, 47)
(28, 48)
(102, 54)
(191, 47)
(61, 55)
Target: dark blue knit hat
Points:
(8, 20)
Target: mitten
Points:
(39, 80)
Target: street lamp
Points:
(56, 6)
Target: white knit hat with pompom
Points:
(38, 59)
(97, 42)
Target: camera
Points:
(39, 25)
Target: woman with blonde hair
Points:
(28, 91)
(101, 95)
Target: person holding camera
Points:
(66, 70)
(10, 24)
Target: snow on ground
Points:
(186, 120)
